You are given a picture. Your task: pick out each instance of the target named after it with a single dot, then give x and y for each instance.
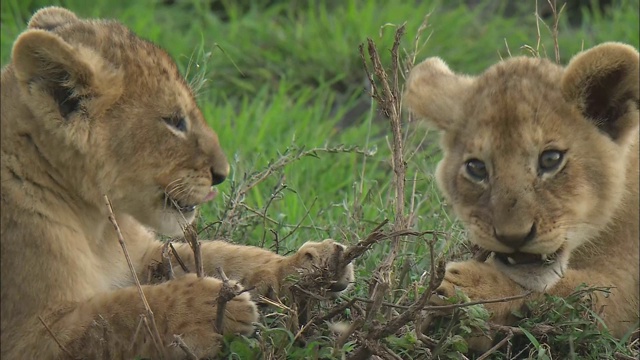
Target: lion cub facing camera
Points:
(541, 165)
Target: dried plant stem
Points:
(64, 349)
(478, 302)
(178, 258)
(227, 292)
(556, 21)
(496, 347)
(191, 235)
(167, 267)
(387, 94)
(177, 341)
(148, 316)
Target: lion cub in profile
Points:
(89, 109)
(541, 165)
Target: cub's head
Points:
(104, 98)
(326, 256)
(535, 155)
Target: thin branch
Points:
(496, 347)
(226, 294)
(191, 235)
(155, 335)
(166, 262)
(64, 349)
(177, 341)
(178, 258)
(478, 302)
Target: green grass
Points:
(280, 80)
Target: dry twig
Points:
(64, 349)
(166, 262)
(191, 235)
(178, 258)
(177, 341)
(226, 294)
(496, 346)
(148, 316)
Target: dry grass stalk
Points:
(64, 349)
(191, 235)
(148, 316)
(496, 347)
(386, 92)
(556, 20)
(389, 101)
(227, 293)
(178, 258)
(177, 341)
(166, 262)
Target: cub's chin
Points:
(532, 271)
(169, 220)
(172, 223)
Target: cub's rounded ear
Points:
(45, 64)
(48, 67)
(437, 94)
(38, 54)
(51, 17)
(603, 83)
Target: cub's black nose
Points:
(217, 177)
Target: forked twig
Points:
(155, 335)
(226, 294)
(177, 341)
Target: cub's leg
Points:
(483, 281)
(267, 272)
(241, 263)
(108, 325)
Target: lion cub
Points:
(541, 165)
(89, 109)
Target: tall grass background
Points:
(282, 84)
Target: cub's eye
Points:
(177, 122)
(476, 169)
(549, 160)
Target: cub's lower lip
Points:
(523, 258)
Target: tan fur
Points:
(268, 273)
(90, 109)
(585, 209)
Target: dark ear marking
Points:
(601, 107)
(603, 83)
(308, 255)
(67, 103)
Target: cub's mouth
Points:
(184, 207)
(528, 259)
(179, 206)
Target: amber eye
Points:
(550, 160)
(177, 122)
(476, 169)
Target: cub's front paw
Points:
(477, 280)
(324, 261)
(187, 306)
(480, 281)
